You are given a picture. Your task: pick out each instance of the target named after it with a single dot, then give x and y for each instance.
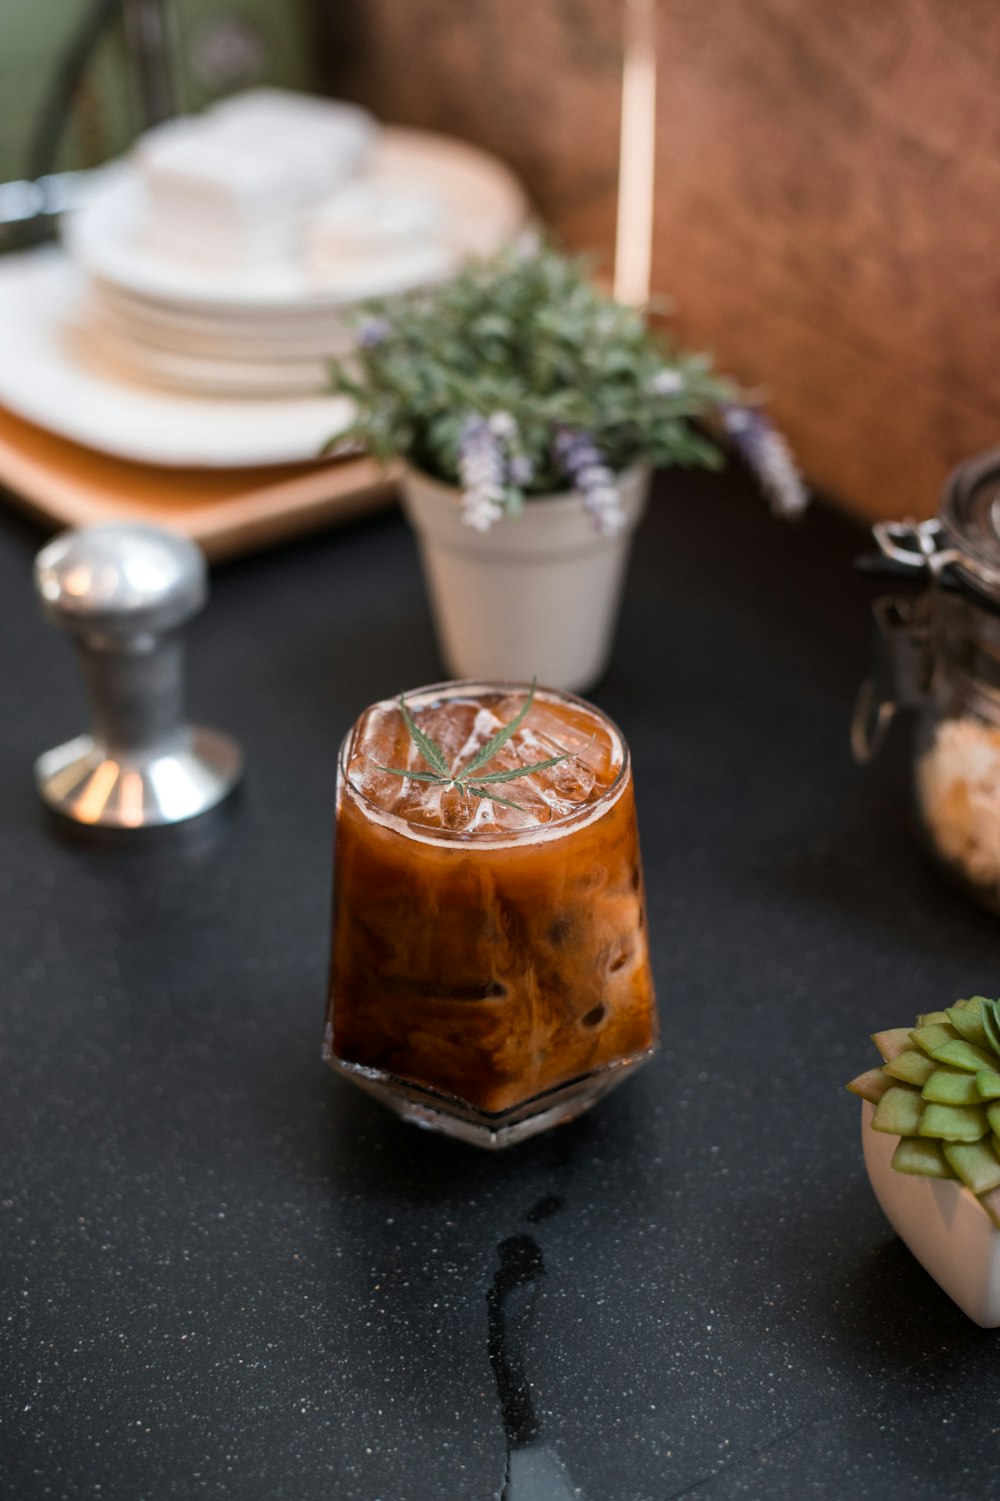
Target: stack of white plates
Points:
(273, 330)
(212, 351)
(159, 362)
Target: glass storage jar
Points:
(937, 650)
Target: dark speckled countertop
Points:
(228, 1274)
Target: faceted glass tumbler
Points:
(490, 973)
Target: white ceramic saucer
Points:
(52, 374)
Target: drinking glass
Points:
(490, 974)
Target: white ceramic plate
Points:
(483, 204)
(204, 375)
(324, 337)
(52, 375)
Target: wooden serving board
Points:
(226, 511)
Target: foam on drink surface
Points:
(461, 725)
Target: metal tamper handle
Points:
(123, 590)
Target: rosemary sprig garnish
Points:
(471, 780)
(428, 747)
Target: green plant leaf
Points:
(470, 781)
(530, 335)
(417, 776)
(499, 740)
(991, 1024)
(953, 1126)
(492, 797)
(523, 771)
(428, 747)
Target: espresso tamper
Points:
(123, 590)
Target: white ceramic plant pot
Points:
(944, 1225)
(535, 596)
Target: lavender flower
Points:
(667, 382)
(482, 473)
(502, 426)
(492, 468)
(583, 463)
(373, 331)
(521, 470)
(769, 456)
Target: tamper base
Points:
(85, 781)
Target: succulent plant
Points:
(938, 1090)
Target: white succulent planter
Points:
(943, 1224)
(536, 596)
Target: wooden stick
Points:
(636, 166)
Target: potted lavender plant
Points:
(528, 409)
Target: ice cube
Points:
(426, 805)
(571, 781)
(485, 724)
(553, 729)
(461, 727)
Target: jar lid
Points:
(970, 519)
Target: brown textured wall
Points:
(828, 207)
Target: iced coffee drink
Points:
(490, 974)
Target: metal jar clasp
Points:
(902, 653)
(913, 547)
(901, 670)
